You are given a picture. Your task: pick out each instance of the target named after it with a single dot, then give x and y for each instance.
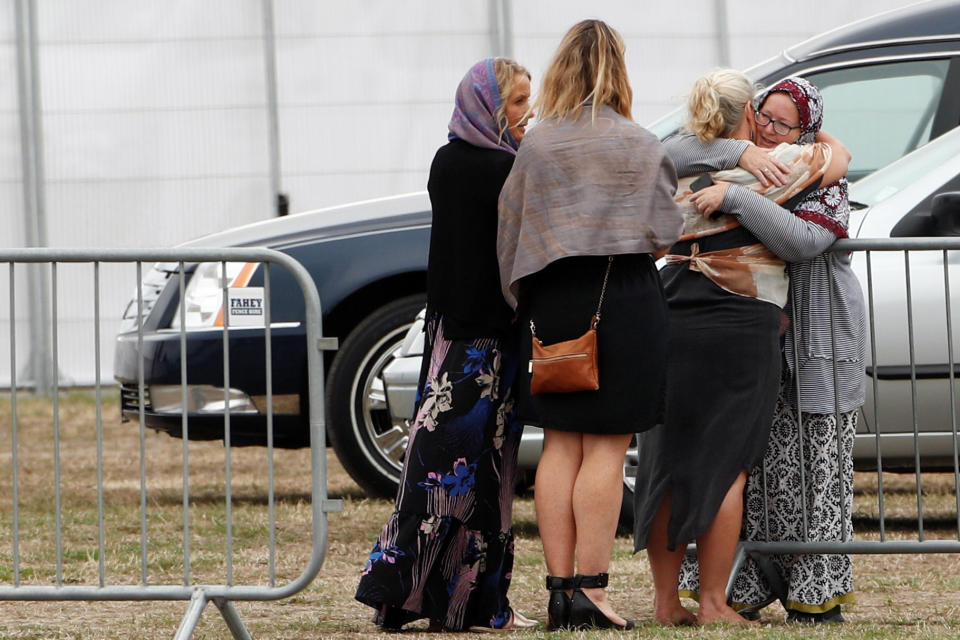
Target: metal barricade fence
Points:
(895, 357)
(21, 588)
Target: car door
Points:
(911, 305)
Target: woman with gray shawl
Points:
(588, 183)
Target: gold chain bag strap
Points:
(568, 366)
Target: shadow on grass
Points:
(909, 491)
(353, 492)
(863, 524)
(290, 497)
(210, 498)
(525, 527)
(241, 496)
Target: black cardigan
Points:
(463, 276)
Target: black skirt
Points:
(631, 340)
(723, 375)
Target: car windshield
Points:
(898, 98)
(898, 175)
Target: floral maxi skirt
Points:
(446, 553)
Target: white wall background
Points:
(155, 122)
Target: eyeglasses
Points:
(780, 127)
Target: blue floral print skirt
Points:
(446, 553)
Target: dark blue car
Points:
(369, 264)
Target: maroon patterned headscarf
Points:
(474, 117)
(809, 103)
(828, 206)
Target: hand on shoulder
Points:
(765, 167)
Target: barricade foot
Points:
(229, 612)
(738, 559)
(197, 603)
(232, 617)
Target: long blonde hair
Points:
(506, 71)
(588, 65)
(716, 103)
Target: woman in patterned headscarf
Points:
(446, 553)
(823, 381)
(725, 292)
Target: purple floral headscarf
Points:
(474, 117)
(809, 103)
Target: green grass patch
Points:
(897, 596)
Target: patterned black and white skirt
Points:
(810, 583)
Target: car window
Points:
(882, 111)
(882, 185)
(926, 172)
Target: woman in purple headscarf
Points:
(796, 491)
(446, 553)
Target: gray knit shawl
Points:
(584, 187)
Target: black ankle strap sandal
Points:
(556, 583)
(598, 581)
(584, 614)
(558, 607)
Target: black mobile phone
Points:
(702, 182)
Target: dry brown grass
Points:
(898, 596)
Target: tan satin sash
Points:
(752, 271)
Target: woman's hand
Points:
(709, 199)
(840, 160)
(767, 169)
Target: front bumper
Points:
(205, 407)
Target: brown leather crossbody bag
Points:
(571, 365)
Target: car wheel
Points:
(368, 442)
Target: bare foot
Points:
(674, 615)
(725, 614)
(669, 612)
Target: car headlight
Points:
(153, 283)
(203, 295)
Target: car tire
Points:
(367, 442)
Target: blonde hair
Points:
(588, 65)
(506, 71)
(716, 103)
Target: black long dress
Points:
(723, 374)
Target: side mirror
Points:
(946, 213)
